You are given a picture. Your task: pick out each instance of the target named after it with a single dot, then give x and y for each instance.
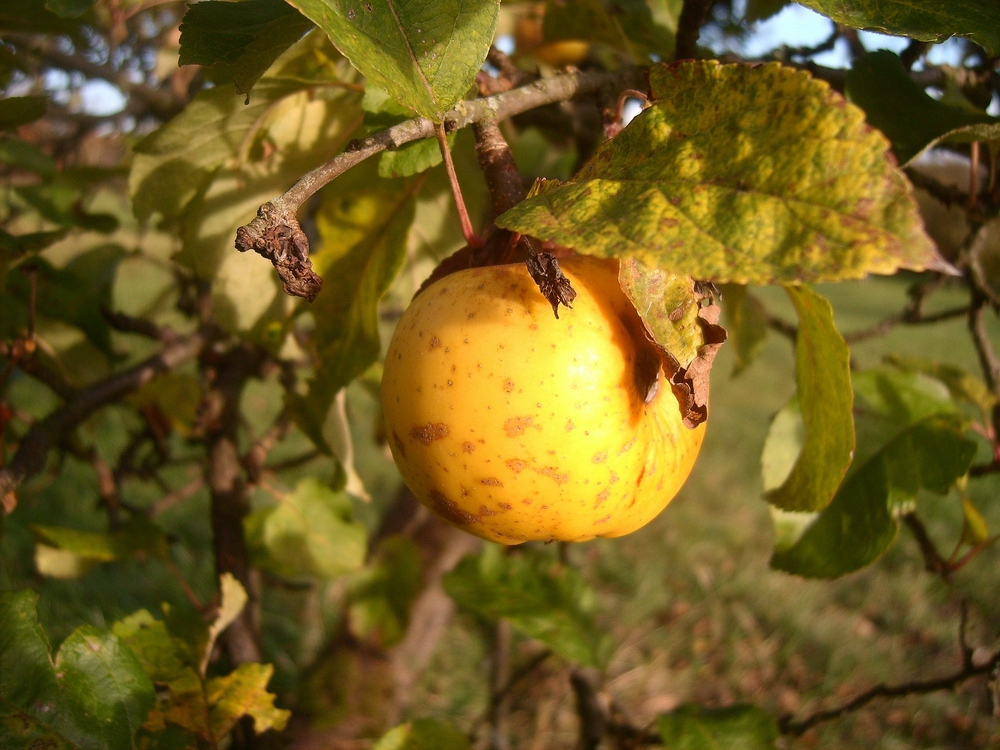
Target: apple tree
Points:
(213, 216)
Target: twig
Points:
(456, 189)
(906, 318)
(692, 18)
(275, 232)
(179, 495)
(227, 487)
(129, 324)
(43, 435)
(788, 330)
(933, 561)
(988, 360)
(593, 717)
(530, 666)
(917, 687)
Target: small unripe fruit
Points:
(516, 425)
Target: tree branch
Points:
(275, 233)
(917, 687)
(44, 435)
(693, 16)
(228, 489)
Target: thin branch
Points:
(907, 317)
(179, 495)
(160, 102)
(45, 434)
(917, 687)
(934, 562)
(456, 189)
(140, 326)
(275, 232)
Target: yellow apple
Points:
(516, 425)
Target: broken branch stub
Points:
(275, 234)
(552, 282)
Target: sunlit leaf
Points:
(543, 599)
(309, 533)
(363, 224)
(241, 39)
(67, 553)
(975, 529)
(232, 599)
(824, 396)
(425, 53)
(93, 696)
(910, 118)
(423, 734)
(930, 22)
(668, 305)
(244, 693)
(743, 174)
(740, 727)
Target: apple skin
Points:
(515, 425)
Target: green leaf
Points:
(68, 553)
(94, 696)
(69, 8)
(243, 38)
(825, 398)
(910, 436)
(978, 20)
(310, 533)
(17, 153)
(778, 181)
(425, 54)
(152, 644)
(761, 10)
(739, 727)
(20, 110)
(423, 734)
(746, 321)
(911, 119)
(668, 305)
(382, 593)
(962, 385)
(363, 223)
(244, 693)
(213, 165)
(382, 112)
(542, 598)
(232, 599)
(176, 162)
(33, 17)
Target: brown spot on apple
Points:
(468, 447)
(516, 426)
(435, 343)
(553, 474)
(602, 496)
(449, 510)
(516, 465)
(430, 432)
(600, 457)
(491, 482)
(508, 385)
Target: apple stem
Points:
(456, 189)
